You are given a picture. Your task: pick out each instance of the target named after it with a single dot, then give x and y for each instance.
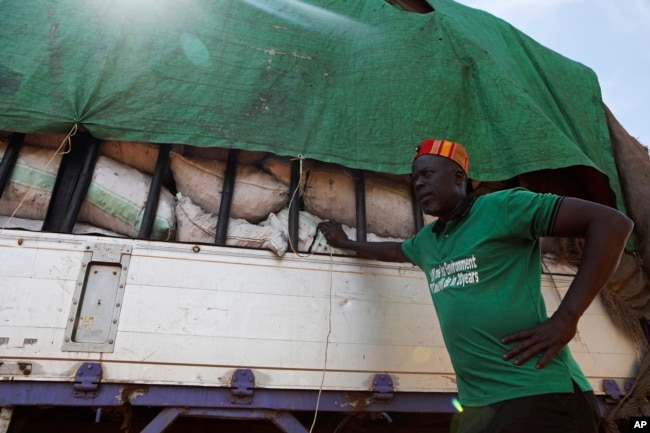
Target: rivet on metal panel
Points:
(196, 249)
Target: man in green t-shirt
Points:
(482, 261)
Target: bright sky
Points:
(610, 37)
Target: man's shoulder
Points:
(503, 196)
(503, 193)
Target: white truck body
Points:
(189, 315)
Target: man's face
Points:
(438, 184)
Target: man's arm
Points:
(605, 231)
(384, 251)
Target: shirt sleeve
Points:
(531, 215)
(409, 251)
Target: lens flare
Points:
(456, 404)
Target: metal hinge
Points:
(242, 386)
(87, 380)
(382, 385)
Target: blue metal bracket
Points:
(611, 389)
(87, 380)
(382, 385)
(242, 386)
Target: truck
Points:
(121, 311)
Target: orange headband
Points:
(446, 149)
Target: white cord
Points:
(327, 342)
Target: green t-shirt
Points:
(484, 274)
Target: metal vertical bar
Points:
(71, 185)
(226, 197)
(81, 189)
(294, 205)
(418, 218)
(360, 201)
(9, 159)
(151, 206)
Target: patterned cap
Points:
(447, 149)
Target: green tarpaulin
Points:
(358, 83)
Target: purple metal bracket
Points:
(87, 380)
(611, 389)
(242, 385)
(382, 385)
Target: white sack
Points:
(309, 240)
(197, 225)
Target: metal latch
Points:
(242, 385)
(382, 385)
(87, 380)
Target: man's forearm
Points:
(605, 240)
(384, 251)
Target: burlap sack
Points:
(280, 168)
(245, 157)
(49, 141)
(141, 156)
(330, 194)
(633, 166)
(115, 200)
(197, 225)
(14, 223)
(256, 194)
